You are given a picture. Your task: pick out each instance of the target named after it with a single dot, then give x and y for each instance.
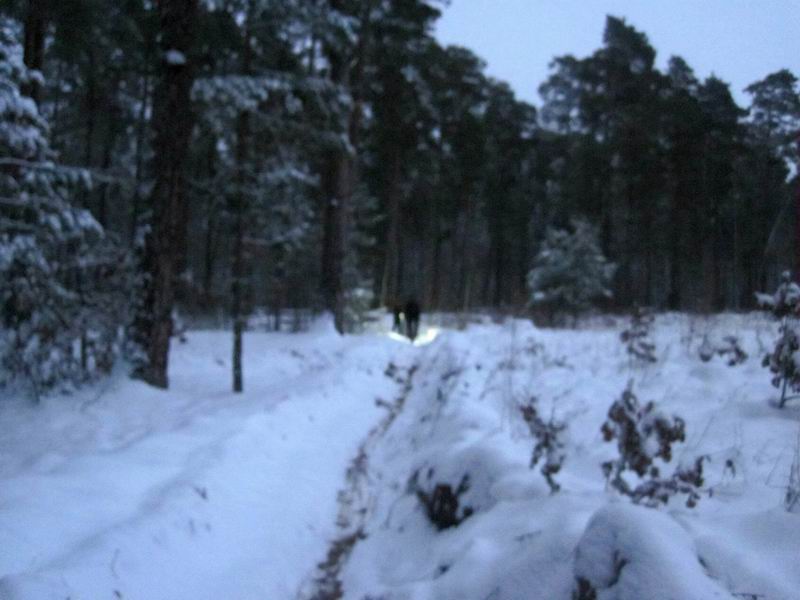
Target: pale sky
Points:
(740, 41)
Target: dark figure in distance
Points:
(397, 311)
(412, 312)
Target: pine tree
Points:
(570, 271)
(63, 293)
(775, 112)
(263, 119)
(172, 125)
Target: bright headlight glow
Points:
(428, 335)
(397, 336)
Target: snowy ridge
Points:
(517, 540)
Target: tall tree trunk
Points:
(430, 235)
(108, 147)
(211, 229)
(348, 72)
(237, 267)
(209, 253)
(495, 281)
(333, 249)
(498, 270)
(172, 124)
(238, 312)
(141, 129)
(55, 132)
(91, 112)
(466, 250)
(389, 285)
(675, 250)
(649, 262)
(35, 26)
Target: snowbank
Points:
(521, 542)
(629, 553)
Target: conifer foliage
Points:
(172, 126)
(278, 156)
(570, 272)
(63, 278)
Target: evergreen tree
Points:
(570, 271)
(172, 124)
(64, 293)
(340, 155)
(775, 112)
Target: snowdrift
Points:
(630, 553)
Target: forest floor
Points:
(309, 485)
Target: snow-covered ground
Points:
(310, 483)
(130, 492)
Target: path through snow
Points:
(355, 500)
(195, 492)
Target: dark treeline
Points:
(331, 154)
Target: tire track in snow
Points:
(355, 502)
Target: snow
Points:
(630, 552)
(176, 58)
(192, 493)
(128, 492)
(523, 542)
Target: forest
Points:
(217, 159)
(300, 303)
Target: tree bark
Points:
(209, 252)
(389, 287)
(466, 251)
(172, 124)
(237, 266)
(238, 312)
(141, 128)
(108, 148)
(348, 72)
(333, 249)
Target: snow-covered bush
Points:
(630, 553)
(732, 351)
(706, 350)
(442, 503)
(637, 336)
(644, 435)
(61, 299)
(785, 301)
(784, 359)
(456, 483)
(549, 447)
(570, 271)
